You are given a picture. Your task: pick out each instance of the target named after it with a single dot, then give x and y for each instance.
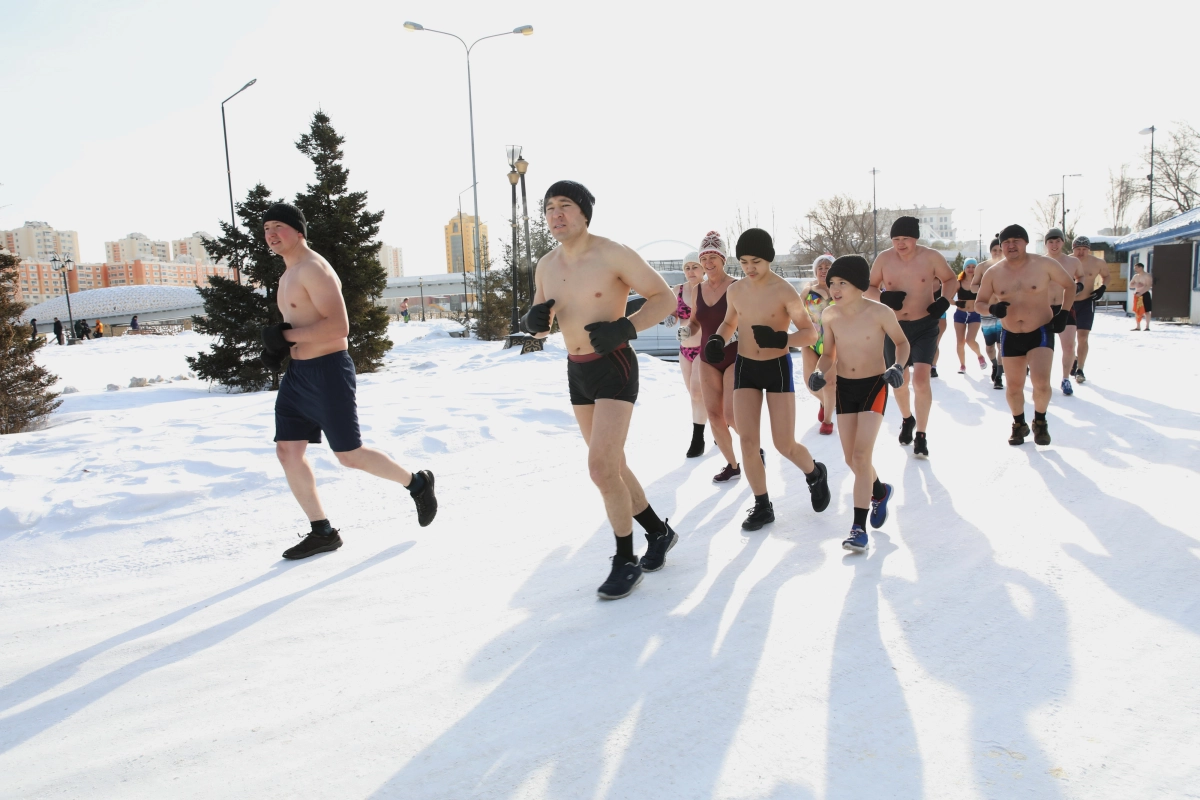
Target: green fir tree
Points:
(25, 396)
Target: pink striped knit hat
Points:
(711, 243)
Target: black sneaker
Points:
(314, 543)
(998, 381)
(657, 548)
(759, 516)
(818, 487)
(426, 500)
(1079, 377)
(1019, 432)
(697, 448)
(726, 475)
(623, 579)
(921, 446)
(1075, 367)
(906, 429)
(763, 455)
(933, 372)
(1041, 432)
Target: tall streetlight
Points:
(524, 30)
(62, 268)
(1143, 132)
(1064, 199)
(228, 174)
(981, 235)
(463, 250)
(522, 167)
(514, 177)
(874, 214)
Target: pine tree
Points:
(495, 316)
(342, 230)
(25, 396)
(236, 313)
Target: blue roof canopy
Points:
(1183, 226)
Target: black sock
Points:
(1039, 416)
(920, 434)
(650, 522)
(812, 477)
(322, 527)
(417, 484)
(1019, 418)
(860, 517)
(761, 500)
(625, 549)
(697, 431)
(878, 490)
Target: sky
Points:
(675, 119)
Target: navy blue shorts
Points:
(317, 394)
(1083, 314)
(962, 317)
(773, 375)
(1018, 345)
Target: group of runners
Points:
(863, 329)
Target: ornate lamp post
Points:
(62, 268)
(1064, 199)
(874, 214)
(228, 174)
(514, 152)
(522, 167)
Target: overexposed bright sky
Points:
(674, 115)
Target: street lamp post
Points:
(228, 174)
(523, 167)
(524, 30)
(1143, 132)
(463, 250)
(1064, 199)
(62, 268)
(981, 235)
(513, 178)
(421, 283)
(874, 215)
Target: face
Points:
(1139, 269)
(1013, 248)
(997, 252)
(712, 262)
(564, 218)
(1054, 246)
(841, 290)
(693, 272)
(754, 266)
(281, 238)
(969, 271)
(821, 270)
(1081, 251)
(904, 244)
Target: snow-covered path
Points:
(1025, 625)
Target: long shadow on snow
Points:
(24, 725)
(1169, 416)
(1121, 434)
(588, 678)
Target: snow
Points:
(116, 301)
(1025, 625)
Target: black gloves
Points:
(999, 310)
(275, 346)
(537, 318)
(714, 349)
(816, 380)
(894, 300)
(605, 336)
(938, 307)
(1099, 293)
(273, 359)
(1078, 287)
(766, 336)
(1058, 323)
(894, 376)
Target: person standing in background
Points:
(58, 330)
(133, 323)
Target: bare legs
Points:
(1081, 347)
(826, 396)
(691, 379)
(717, 388)
(918, 375)
(858, 432)
(781, 407)
(964, 334)
(303, 482)
(1040, 362)
(1067, 340)
(604, 427)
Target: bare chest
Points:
(586, 290)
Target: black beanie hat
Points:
(995, 242)
(853, 269)
(577, 193)
(755, 242)
(906, 226)
(1014, 232)
(289, 215)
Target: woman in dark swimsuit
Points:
(689, 348)
(716, 380)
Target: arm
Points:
(539, 296)
(726, 328)
(326, 296)
(983, 301)
(806, 332)
(891, 326)
(942, 272)
(660, 300)
(1066, 280)
(872, 292)
(828, 359)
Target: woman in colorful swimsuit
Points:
(716, 380)
(966, 321)
(816, 298)
(689, 348)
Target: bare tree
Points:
(741, 222)
(839, 225)
(1121, 192)
(1176, 170)
(1047, 214)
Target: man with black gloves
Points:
(904, 278)
(584, 284)
(762, 308)
(1094, 274)
(1022, 283)
(1054, 242)
(317, 393)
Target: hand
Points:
(893, 300)
(714, 349)
(767, 337)
(938, 307)
(272, 336)
(1058, 323)
(272, 359)
(683, 333)
(816, 380)
(1099, 293)
(608, 336)
(1078, 287)
(999, 310)
(894, 376)
(537, 318)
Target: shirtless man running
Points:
(1021, 283)
(761, 308)
(904, 278)
(1054, 249)
(585, 282)
(317, 392)
(989, 325)
(1141, 283)
(1091, 269)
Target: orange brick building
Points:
(38, 282)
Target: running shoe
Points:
(727, 474)
(1066, 387)
(856, 542)
(906, 429)
(657, 548)
(982, 363)
(921, 446)
(826, 428)
(1079, 376)
(962, 369)
(426, 500)
(818, 487)
(759, 516)
(1075, 367)
(314, 543)
(933, 372)
(879, 506)
(1041, 432)
(1019, 431)
(623, 579)
(697, 448)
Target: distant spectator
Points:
(33, 330)
(133, 323)
(82, 331)
(99, 329)
(58, 330)
(404, 309)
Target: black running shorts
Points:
(315, 395)
(922, 341)
(1083, 313)
(773, 375)
(593, 377)
(857, 395)
(1018, 345)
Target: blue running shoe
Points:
(857, 541)
(879, 507)
(1066, 387)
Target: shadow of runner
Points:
(872, 748)
(24, 725)
(1111, 433)
(994, 633)
(1168, 416)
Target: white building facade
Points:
(192, 247)
(37, 241)
(392, 259)
(936, 223)
(137, 247)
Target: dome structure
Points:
(121, 301)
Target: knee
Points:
(920, 380)
(603, 473)
(350, 458)
(288, 454)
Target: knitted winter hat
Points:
(289, 215)
(854, 270)
(712, 243)
(1013, 232)
(906, 226)
(825, 257)
(757, 243)
(691, 258)
(577, 193)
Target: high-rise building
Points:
(192, 247)
(37, 241)
(460, 244)
(135, 247)
(392, 260)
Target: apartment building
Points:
(392, 260)
(192, 247)
(460, 244)
(37, 241)
(135, 247)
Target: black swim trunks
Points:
(592, 377)
(857, 395)
(1083, 314)
(1018, 345)
(773, 375)
(317, 394)
(922, 340)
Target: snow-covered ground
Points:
(1026, 624)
